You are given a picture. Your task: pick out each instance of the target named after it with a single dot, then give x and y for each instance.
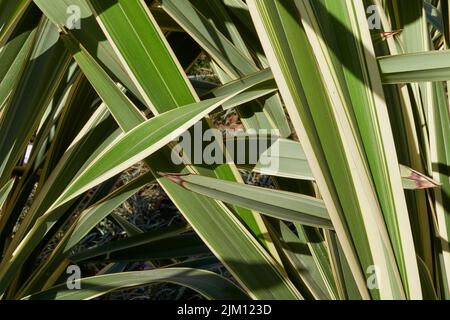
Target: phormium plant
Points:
(343, 104)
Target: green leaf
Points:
(129, 228)
(10, 15)
(193, 206)
(168, 247)
(291, 163)
(4, 192)
(314, 86)
(48, 62)
(278, 204)
(429, 292)
(141, 239)
(129, 117)
(138, 144)
(13, 58)
(90, 35)
(302, 256)
(85, 222)
(210, 285)
(415, 67)
(290, 160)
(224, 221)
(231, 55)
(414, 180)
(131, 17)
